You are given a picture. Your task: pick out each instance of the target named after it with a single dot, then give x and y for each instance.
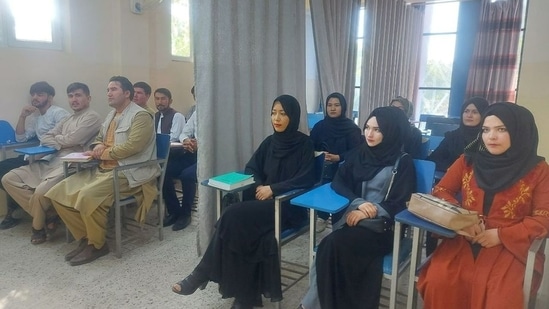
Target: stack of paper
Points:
(76, 157)
(231, 181)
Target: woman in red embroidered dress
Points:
(501, 176)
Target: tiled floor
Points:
(38, 277)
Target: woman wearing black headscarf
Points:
(243, 255)
(454, 142)
(500, 176)
(349, 261)
(412, 145)
(334, 135)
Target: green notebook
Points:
(231, 181)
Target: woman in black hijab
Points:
(243, 254)
(454, 142)
(334, 135)
(349, 261)
(412, 145)
(501, 177)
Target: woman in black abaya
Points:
(454, 142)
(348, 266)
(243, 255)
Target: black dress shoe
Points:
(89, 254)
(169, 220)
(9, 222)
(190, 284)
(181, 223)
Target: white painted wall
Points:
(102, 38)
(533, 93)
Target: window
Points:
(181, 30)
(358, 68)
(33, 24)
(437, 58)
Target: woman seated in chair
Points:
(242, 257)
(412, 145)
(502, 177)
(348, 267)
(334, 135)
(454, 142)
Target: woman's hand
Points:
(263, 193)
(354, 217)
(488, 238)
(473, 231)
(369, 209)
(331, 157)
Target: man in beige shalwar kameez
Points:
(83, 200)
(28, 184)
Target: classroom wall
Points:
(102, 38)
(533, 92)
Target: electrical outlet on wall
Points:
(136, 6)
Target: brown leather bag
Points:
(441, 212)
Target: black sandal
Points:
(38, 236)
(52, 223)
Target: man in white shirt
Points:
(183, 167)
(35, 120)
(167, 120)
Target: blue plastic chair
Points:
(7, 133)
(425, 177)
(434, 141)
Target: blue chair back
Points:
(434, 141)
(425, 175)
(7, 133)
(162, 145)
(313, 118)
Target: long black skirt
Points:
(349, 265)
(242, 256)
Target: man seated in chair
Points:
(167, 120)
(28, 184)
(34, 121)
(84, 199)
(182, 166)
(142, 93)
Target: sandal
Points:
(52, 223)
(38, 236)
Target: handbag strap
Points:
(394, 172)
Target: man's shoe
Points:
(89, 254)
(169, 220)
(81, 246)
(181, 223)
(9, 222)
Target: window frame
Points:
(423, 67)
(177, 57)
(9, 38)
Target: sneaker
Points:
(320, 225)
